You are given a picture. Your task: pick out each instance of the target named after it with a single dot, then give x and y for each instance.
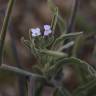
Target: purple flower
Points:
(35, 32)
(47, 30)
(47, 27)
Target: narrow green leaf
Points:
(55, 19)
(53, 53)
(83, 69)
(68, 45)
(61, 24)
(20, 71)
(85, 88)
(77, 61)
(65, 36)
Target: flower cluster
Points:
(36, 31)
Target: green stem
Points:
(4, 27)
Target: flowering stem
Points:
(4, 27)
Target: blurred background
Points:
(35, 13)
